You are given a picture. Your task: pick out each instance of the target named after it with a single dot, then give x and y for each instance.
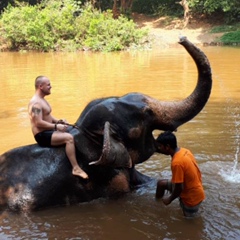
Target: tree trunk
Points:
(125, 7)
(115, 9)
(185, 6)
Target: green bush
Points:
(13, 25)
(232, 33)
(225, 28)
(37, 27)
(106, 34)
(231, 37)
(64, 26)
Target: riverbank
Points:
(165, 32)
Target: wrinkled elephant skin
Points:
(114, 134)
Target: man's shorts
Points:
(187, 211)
(44, 138)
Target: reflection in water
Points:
(169, 74)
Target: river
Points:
(167, 74)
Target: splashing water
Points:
(232, 174)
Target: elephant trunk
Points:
(170, 115)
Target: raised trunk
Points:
(170, 115)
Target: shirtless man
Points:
(47, 130)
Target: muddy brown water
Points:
(167, 74)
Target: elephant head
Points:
(117, 131)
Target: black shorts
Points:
(44, 138)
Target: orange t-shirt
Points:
(185, 170)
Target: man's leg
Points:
(59, 138)
(71, 154)
(189, 211)
(162, 185)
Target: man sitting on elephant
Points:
(47, 130)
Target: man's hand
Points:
(177, 189)
(62, 121)
(62, 127)
(166, 200)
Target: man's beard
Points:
(48, 92)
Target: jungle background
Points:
(113, 25)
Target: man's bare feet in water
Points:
(77, 171)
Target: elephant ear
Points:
(114, 153)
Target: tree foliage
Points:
(49, 25)
(158, 7)
(230, 9)
(64, 25)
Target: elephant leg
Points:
(114, 153)
(137, 178)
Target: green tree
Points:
(64, 25)
(230, 9)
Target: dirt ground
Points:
(165, 32)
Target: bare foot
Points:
(80, 173)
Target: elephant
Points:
(112, 135)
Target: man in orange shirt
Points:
(186, 183)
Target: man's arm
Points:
(178, 187)
(54, 120)
(37, 118)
